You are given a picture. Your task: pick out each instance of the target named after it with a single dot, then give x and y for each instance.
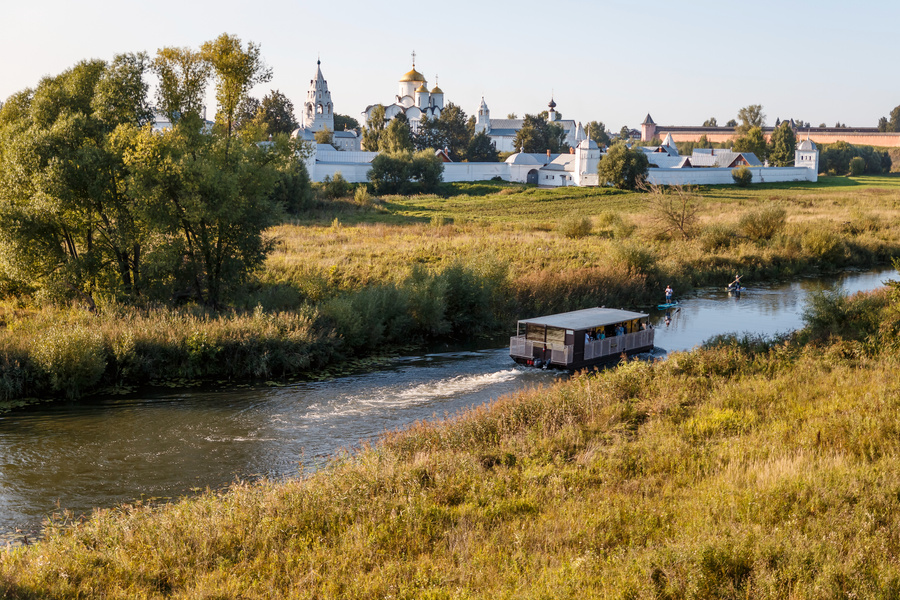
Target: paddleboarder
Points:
(669, 293)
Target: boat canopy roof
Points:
(585, 319)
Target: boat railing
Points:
(618, 344)
(560, 356)
(519, 346)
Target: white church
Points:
(318, 115)
(503, 131)
(578, 167)
(413, 99)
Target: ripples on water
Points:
(106, 451)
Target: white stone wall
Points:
(354, 173)
(475, 171)
(705, 176)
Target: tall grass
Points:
(749, 469)
(365, 274)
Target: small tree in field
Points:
(674, 208)
(742, 176)
(623, 167)
(857, 166)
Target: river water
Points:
(102, 452)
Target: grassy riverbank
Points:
(751, 469)
(352, 280)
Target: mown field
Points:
(356, 278)
(751, 468)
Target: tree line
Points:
(95, 203)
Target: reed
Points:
(362, 273)
(750, 468)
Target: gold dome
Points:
(422, 89)
(413, 76)
(437, 90)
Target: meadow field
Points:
(358, 276)
(750, 468)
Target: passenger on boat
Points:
(669, 294)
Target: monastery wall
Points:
(883, 140)
(475, 171)
(705, 176)
(352, 172)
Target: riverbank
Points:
(354, 281)
(746, 469)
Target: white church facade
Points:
(503, 131)
(578, 167)
(318, 115)
(413, 99)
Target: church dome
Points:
(806, 145)
(437, 90)
(422, 89)
(413, 75)
(588, 144)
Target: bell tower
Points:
(318, 110)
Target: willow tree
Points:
(67, 216)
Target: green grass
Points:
(354, 276)
(748, 469)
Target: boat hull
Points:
(579, 365)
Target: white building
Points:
(413, 99)
(503, 131)
(318, 115)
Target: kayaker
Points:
(669, 293)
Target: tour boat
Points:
(581, 338)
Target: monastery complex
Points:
(578, 167)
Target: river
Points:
(105, 451)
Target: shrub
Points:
(762, 224)
(857, 166)
(823, 244)
(335, 187)
(716, 236)
(635, 258)
(742, 176)
(575, 226)
(362, 197)
(73, 358)
(405, 172)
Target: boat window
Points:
(535, 333)
(556, 336)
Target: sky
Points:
(682, 61)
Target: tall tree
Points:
(754, 141)
(623, 167)
(67, 217)
(345, 123)
(183, 74)
(537, 135)
(481, 149)
(235, 71)
(782, 145)
(597, 132)
(397, 136)
(449, 130)
(210, 197)
(710, 122)
(374, 129)
(894, 121)
(278, 113)
(749, 117)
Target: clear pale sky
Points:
(613, 61)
